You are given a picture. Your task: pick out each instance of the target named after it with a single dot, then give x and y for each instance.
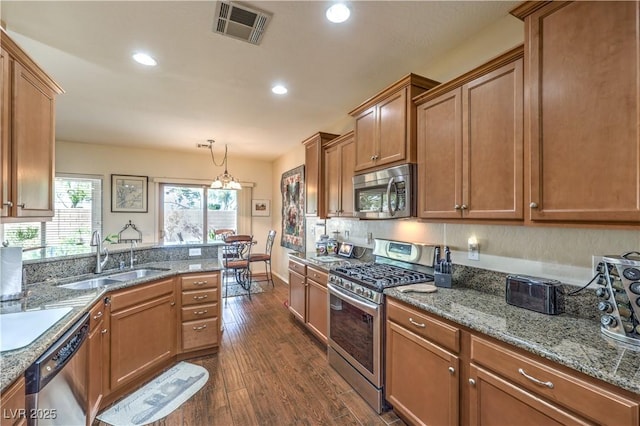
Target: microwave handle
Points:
(391, 183)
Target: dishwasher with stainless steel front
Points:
(56, 383)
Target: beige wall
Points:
(558, 252)
(104, 160)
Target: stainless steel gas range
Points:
(356, 312)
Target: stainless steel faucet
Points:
(133, 259)
(96, 241)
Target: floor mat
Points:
(234, 289)
(159, 397)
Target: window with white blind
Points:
(192, 213)
(78, 212)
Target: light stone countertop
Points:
(568, 340)
(47, 295)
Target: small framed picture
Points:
(129, 194)
(260, 207)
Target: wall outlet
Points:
(195, 252)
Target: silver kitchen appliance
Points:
(56, 383)
(385, 194)
(536, 294)
(620, 297)
(356, 312)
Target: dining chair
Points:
(266, 257)
(235, 260)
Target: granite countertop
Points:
(565, 339)
(47, 295)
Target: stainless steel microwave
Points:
(385, 194)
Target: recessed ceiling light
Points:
(338, 13)
(144, 59)
(279, 89)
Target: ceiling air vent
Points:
(240, 21)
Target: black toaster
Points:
(537, 294)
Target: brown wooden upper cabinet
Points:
(314, 173)
(339, 162)
(27, 132)
(583, 135)
(470, 144)
(385, 125)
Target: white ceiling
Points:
(211, 86)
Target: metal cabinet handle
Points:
(417, 324)
(373, 157)
(200, 312)
(98, 315)
(107, 301)
(8, 204)
(104, 331)
(464, 207)
(202, 327)
(452, 370)
(199, 297)
(472, 382)
(534, 380)
(199, 282)
(21, 205)
(173, 303)
(533, 205)
(456, 207)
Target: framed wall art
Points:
(129, 194)
(293, 220)
(260, 207)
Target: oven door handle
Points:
(368, 307)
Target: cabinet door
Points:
(95, 366)
(332, 179)
(584, 91)
(440, 157)
(13, 404)
(142, 337)
(5, 140)
(421, 378)
(391, 143)
(32, 144)
(365, 133)
(492, 142)
(347, 168)
(313, 179)
(297, 295)
(495, 401)
(317, 309)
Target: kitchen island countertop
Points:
(48, 295)
(568, 340)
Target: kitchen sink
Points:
(21, 328)
(136, 273)
(112, 279)
(91, 283)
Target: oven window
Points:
(352, 329)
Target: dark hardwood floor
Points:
(271, 371)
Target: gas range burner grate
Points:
(379, 276)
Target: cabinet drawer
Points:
(196, 334)
(12, 404)
(317, 275)
(141, 293)
(199, 296)
(96, 315)
(196, 282)
(297, 267)
(587, 399)
(198, 312)
(424, 326)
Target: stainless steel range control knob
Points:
(605, 307)
(359, 290)
(602, 292)
(332, 279)
(624, 311)
(635, 288)
(608, 321)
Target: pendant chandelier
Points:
(225, 180)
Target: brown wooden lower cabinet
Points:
(308, 298)
(486, 382)
(95, 362)
(13, 404)
(199, 312)
(143, 334)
